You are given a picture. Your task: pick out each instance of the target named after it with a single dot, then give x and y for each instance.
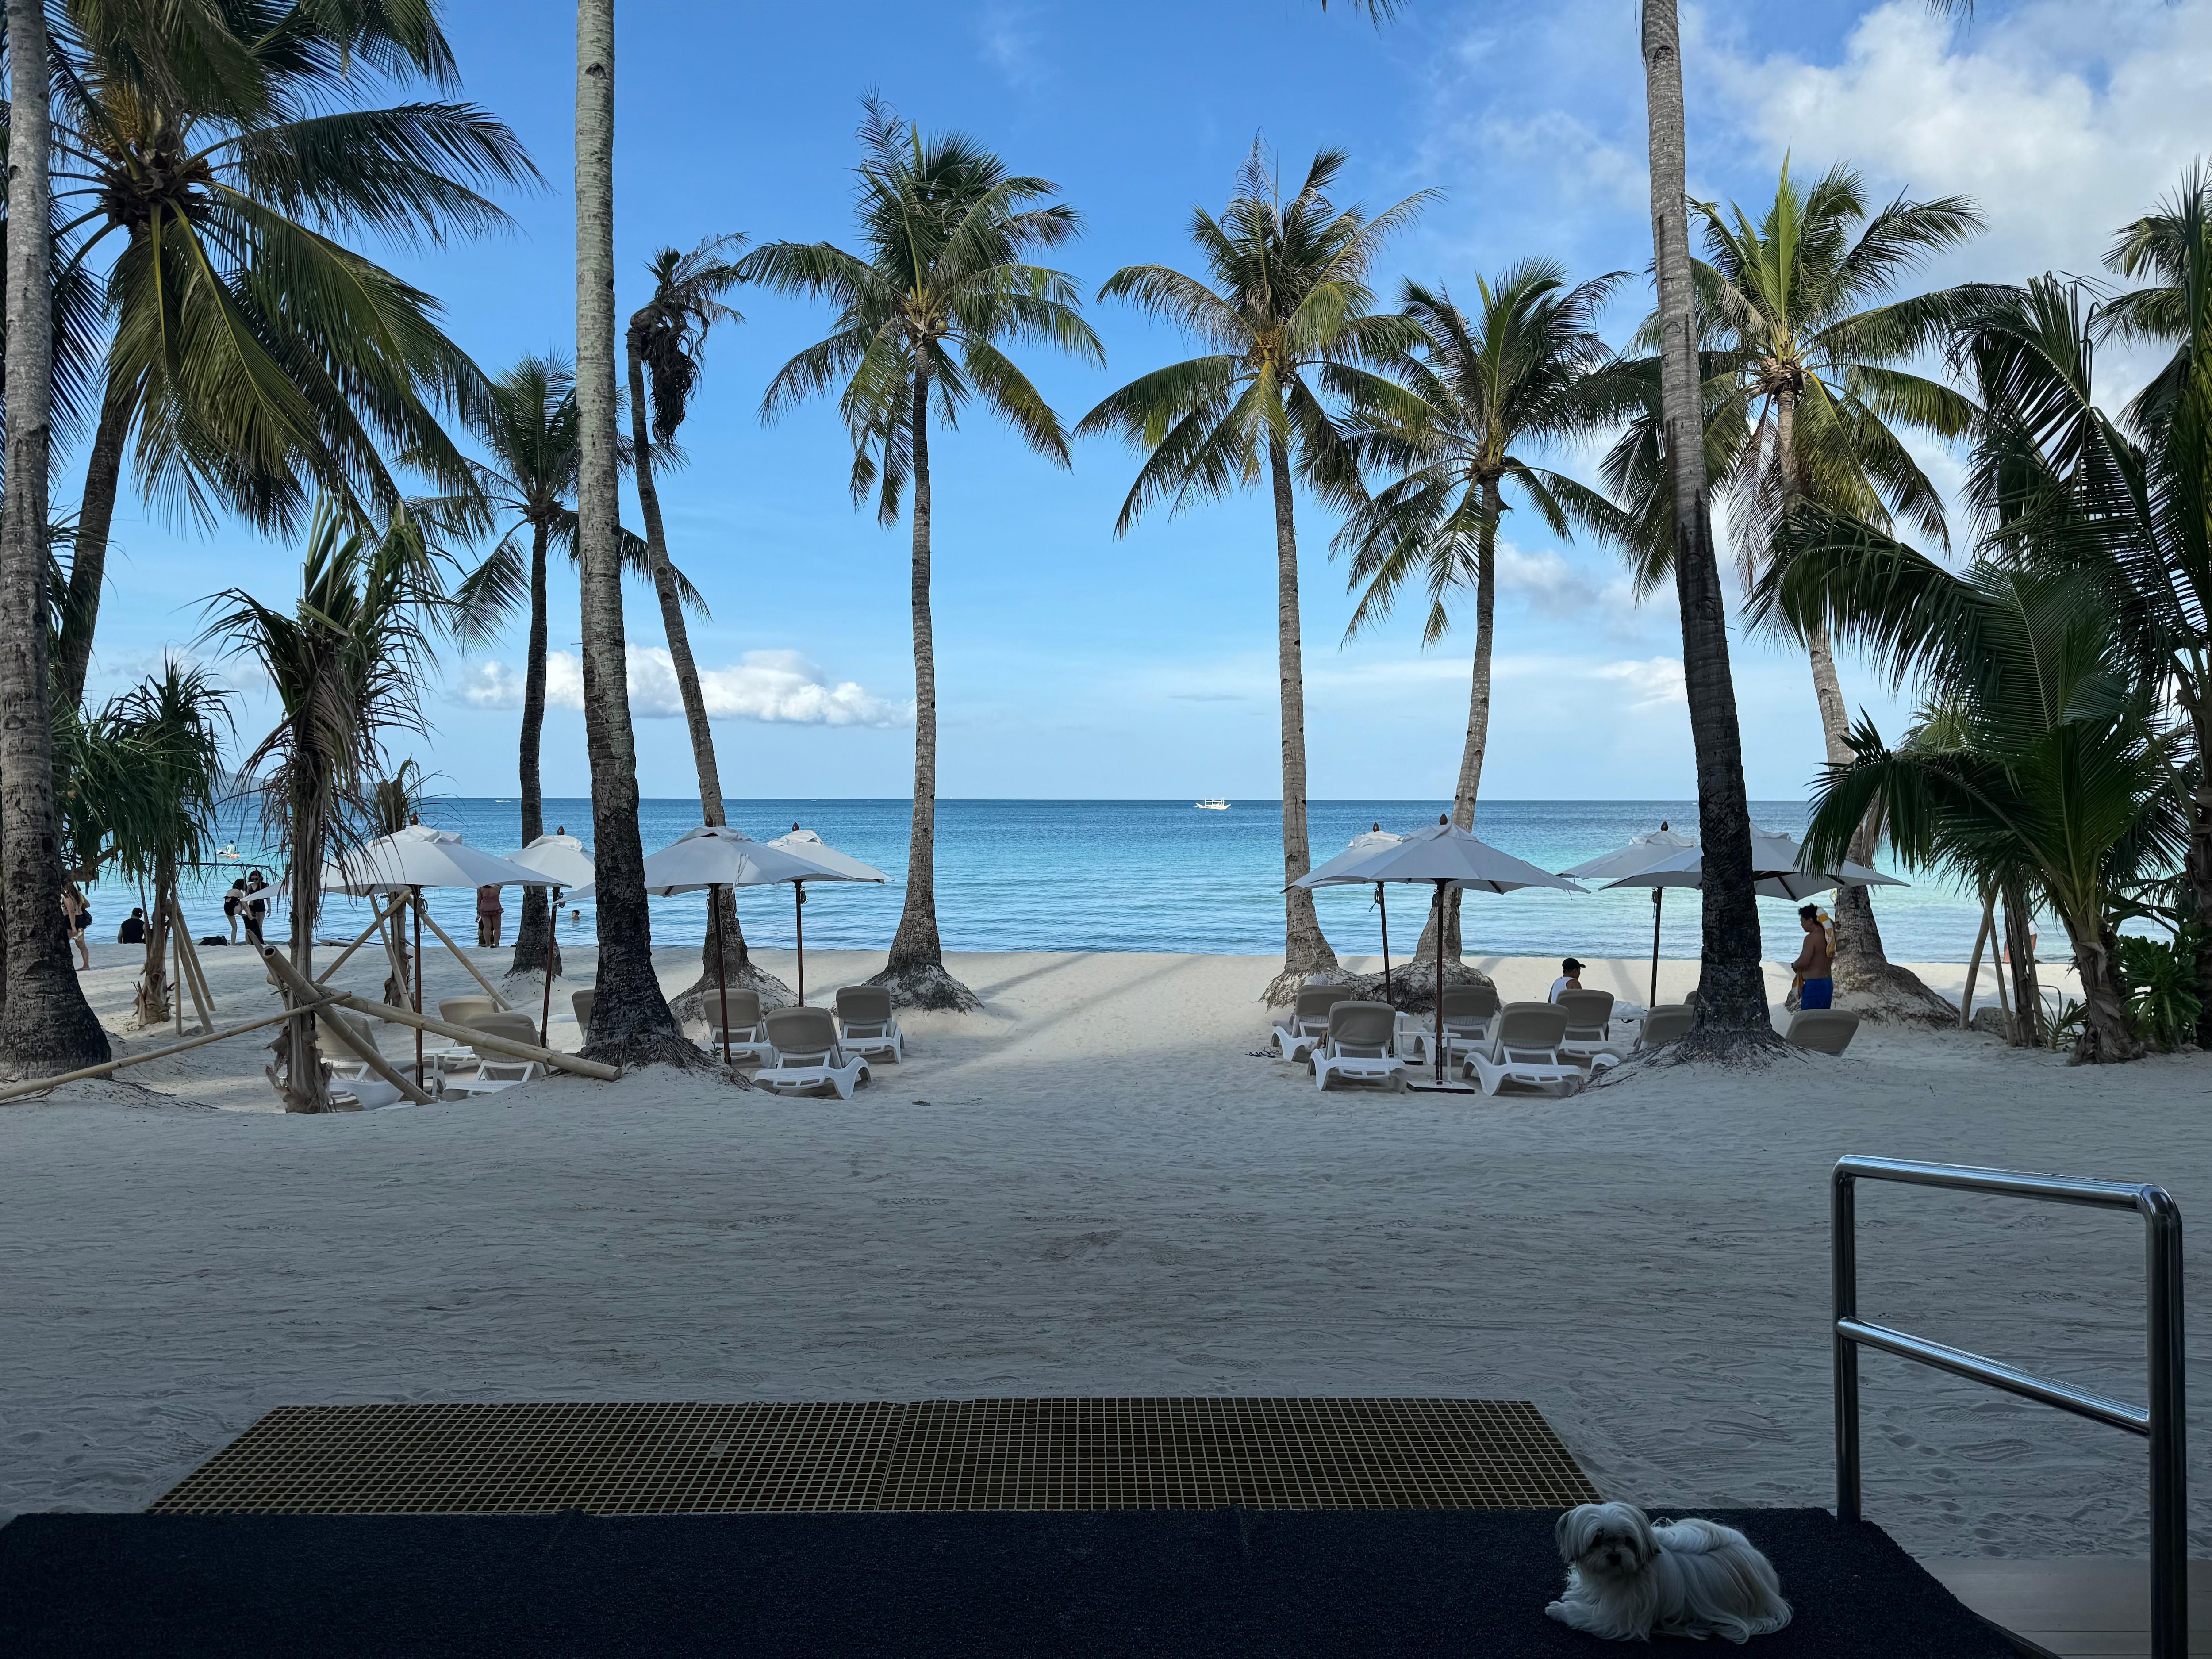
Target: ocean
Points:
(1121, 875)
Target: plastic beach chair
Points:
(1524, 1050)
(1468, 1010)
(1669, 1022)
(495, 1071)
(349, 1073)
(581, 1002)
(1589, 1026)
(804, 1054)
(746, 1036)
(1826, 1030)
(1298, 1035)
(1360, 1047)
(865, 1025)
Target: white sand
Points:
(1093, 1189)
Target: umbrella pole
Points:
(552, 927)
(1658, 904)
(1440, 985)
(415, 973)
(1385, 906)
(799, 922)
(721, 981)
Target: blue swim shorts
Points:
(1818, 994)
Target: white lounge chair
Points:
(804, 1053)
(494, 1071)
(865, 1025)
(1524, 1050)
(747, 1036)
(1468, 1010)
(444, 1053)
(1299, 1033)
(581, 1001)
(1360, 1047)
(1825, 1030)
(1669, 1022)
(1590, 1027)
(350, 1073)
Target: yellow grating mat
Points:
(1207, 1452)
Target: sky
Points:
(1072, 664)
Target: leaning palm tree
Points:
(1287, 315)
(922, 315)
(257, 360)
(1521, 371)
(663, 348)
(344, 662)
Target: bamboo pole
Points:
(192, 958)
(39, 1085)
(339, 1029)
(1974, 967)
(375, 926)
(423, 911)
(176, 978)
(470, 1034)
(188, 960)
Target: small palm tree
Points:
(1520, 371)
(344, 661)
(1285, 306)
(922, 314)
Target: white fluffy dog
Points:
(1629, 1580)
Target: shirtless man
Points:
(1816, 988)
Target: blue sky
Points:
(1074, 664)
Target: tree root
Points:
(698, 1001)
(634, 1052)
(1729, 1050)
(927, 985)
(1887, 994)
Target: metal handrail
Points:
(2163, 1421)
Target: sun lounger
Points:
(581, 1002)
(1669, 1022)
(865, 1025)
(1590, 1027)
(804, 1054)
(747, 1036)
(1296, 1036)
(1826, 1030)
(494, 1071)
(1468, 1010)
(1524, 1050)
(450, 1056)
(1359, 1047)
(349, 1073)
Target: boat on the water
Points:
(1210, 806)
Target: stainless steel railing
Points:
(2163, 1421)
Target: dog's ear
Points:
(1570, 1532)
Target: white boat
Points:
(1210, 806)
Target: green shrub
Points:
(2159, 978)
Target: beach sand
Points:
(1095, 1187)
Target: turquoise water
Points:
(1147, 876)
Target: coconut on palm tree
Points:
(923, 312)
(1516, 373)
(1286, 306)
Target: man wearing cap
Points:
(1570, 978)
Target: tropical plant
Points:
(631, 1023)
(1287, 308)
(2159, 977)
(344, 662)
(1520, 371)
(662, 347)
(256, 358)
(923, 311)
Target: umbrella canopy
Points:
(841, 866)
(715, 855)
(559, 860)
(419, 856)
(1440, 853)
(1777, 869)
(1640, 854)
(1362, 846)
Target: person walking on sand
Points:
(488, 914)
(1812, 983)
(234, 905)
(80, 922)
(255, 907)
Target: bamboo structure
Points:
(470, 1034)
(298, 987)
(40, 1084)
(423, 913)
(375, 926)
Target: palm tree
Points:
(1814, 365)
(1288, 317)
(631, 1023)
(344, 662)
(663, 346)
(258, 360)
(922, 314)
(1520, 371)
(45, 1024)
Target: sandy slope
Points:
(1095, 1189)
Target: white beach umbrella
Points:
(1362, 846)
(1778, 870)
(560, 860)
(1446, 856)
(812, 848)
(1642, 851)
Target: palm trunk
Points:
(534, 940)
(1731, 992)
(2105, 1037)
(915, 973)
(302, 1085)
(2199, 865)
(45, 1024)
(630, 1021)
(2020, 962)
(721, 902)
(152, 1005)
(1305, 951)
(95, 517)
(1478, 729)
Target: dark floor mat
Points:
(916, 1585)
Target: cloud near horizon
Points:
(774, 687)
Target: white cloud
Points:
(779, 687)
(1653, 683)
(1011, 39)
(1547, 580)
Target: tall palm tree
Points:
(344, 661)
(1288, 316)
(257, 360)
(922, 312)
(1519, 371)
(45, 1024)
(662, 347)
(631, 1023)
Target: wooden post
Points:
(188, 961)
(40, 1084)
(1974, 966)
(375, 927)
(339, 1029)
(470, 1034)
(176, 979)
(423, 913)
